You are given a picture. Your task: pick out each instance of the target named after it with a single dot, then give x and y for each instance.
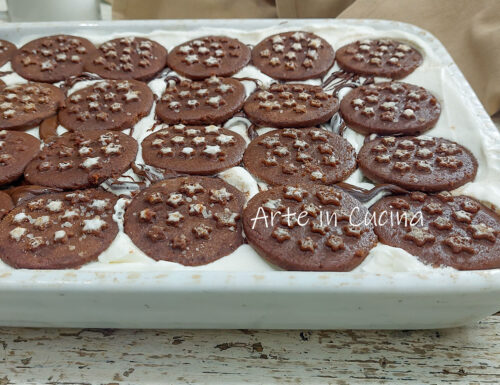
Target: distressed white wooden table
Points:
(105, 356)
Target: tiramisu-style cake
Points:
(184, 149)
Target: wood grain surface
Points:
(469, 355)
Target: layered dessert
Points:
(234, 150)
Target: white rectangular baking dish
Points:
(246, 299)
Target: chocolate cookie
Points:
(417, 163)
(211, 101)
(127, 58)
(58, 231)
(209, 55)
(189, 220)
(107, 105)
(26, 105)
(300, 156)
(48, 128)
(6, 204)
(293, 56)
(390, 108)
(17, 149)
(53, 58)
(193, 149)
(290, 105)
(7, 50)
(384, 58)
(77, 160)
(441, 229)
(317, 228)
(25, 192)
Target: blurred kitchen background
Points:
(54, 10)
(469, 29)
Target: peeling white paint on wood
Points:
(110, 356)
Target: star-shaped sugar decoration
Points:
(315, 43)
(307, 244)
(212, 129)
(202, 231)
(174, 218)
(318, 227)
(227, 218)
(215, 101)
(175, 199)
(328, 195)
(335, 243)
(459, 244)
(180, 242)
(442, 223)
(483, 231)
(463, 216)
(221, 196)
(191, 59)
(212, 151)
(298, 36)
(319, 135)
(132, 96)
(213, 80)
(47, 65)
(419, 235)
(295, 193)
(94, 225)
(212, 62)
(224, 88)
(277, 39)
(185, 49)
(191, 189)
(281, 234)
(273, 204)
(27, 61)
(225, 139)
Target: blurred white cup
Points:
(53, 10)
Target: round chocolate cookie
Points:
(441, 229)
(58, 231)
(6, 204)
(316, 228)
(209, 55)
(211, 101)
(77, 160)
(127, 58)
(384, 58)
(290, 105)
(26, 105)
(53, 58)
(17, 149)
(293, 56)
(188, 220)
(193, 149)
(417, 163)
(300, 156)
(7, 50)
(390, 108)
(107, 105)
